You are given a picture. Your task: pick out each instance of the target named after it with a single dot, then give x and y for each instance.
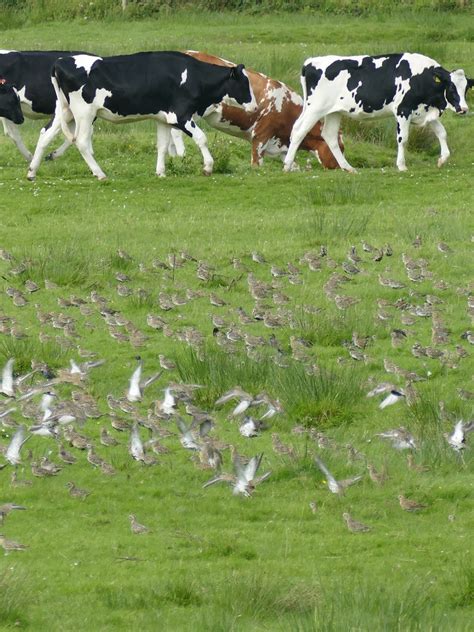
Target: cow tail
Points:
(62, 107)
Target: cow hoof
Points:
(206, 173)
(102, 177)
(49, 156)
(162, 174)
(31, 177)
(441, 162)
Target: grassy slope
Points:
(214, 561)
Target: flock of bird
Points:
(55, 404)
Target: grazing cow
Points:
(413, 88)
(10, 107)
(269, 128)
(30, 73)
(170, 87)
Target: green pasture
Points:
(214, 561)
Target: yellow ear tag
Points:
(437, 79)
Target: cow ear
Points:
(439, 75)
(470, 83)
(236, 71)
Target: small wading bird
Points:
(400, 437)
(244, 480)
(136, 527)
(7, 508)
(10, 545)
(457, 439)
(137, 385)
(409, 505)
(334, 486)
(353, 525)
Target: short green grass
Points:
(213, 561)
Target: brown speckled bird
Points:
(409, 505)
(353, 525)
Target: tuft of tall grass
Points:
(14, 597)
(259, 596)
(348, 191)
(219, 371)
(25, 350)
(66, 264)
(328, 398)
(331, 328)
(365, 606)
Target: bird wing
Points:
(217, 479)
(262, 478)
(136, 445)
(458, 433)
(205, 427)
(238, 465)
(75, 368)
(13, 451)
(182, 427)
(241, 407)
(7, 378)
(392, 398)
(134, 392)
(151, 379)
(325, 471)
(169, 401)
(252, 467)
(233, 393)
(350, 481)
(380, 388)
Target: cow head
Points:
(239, 90)
(10, 107)
(454, 85)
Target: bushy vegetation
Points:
(15, 12)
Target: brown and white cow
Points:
(269, 128)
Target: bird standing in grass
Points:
(410, 505)
(6, 508)
(378, 478)
(10, 545)
(353, 525)
(136, 527)
(77, 492)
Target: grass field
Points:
(213, 561)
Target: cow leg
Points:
(46, 136)
(302, 126)
(258, 149)
(441, 135)
(176, 147)
(403, 131)
(12, 132)
(61, 150)
(83, 140)
(330, 133)
(163, 141)
(200, 139)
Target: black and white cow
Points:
(30, 73)
(10, 107)
(167, 86)
(413, 88)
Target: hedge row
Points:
(17, 12)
